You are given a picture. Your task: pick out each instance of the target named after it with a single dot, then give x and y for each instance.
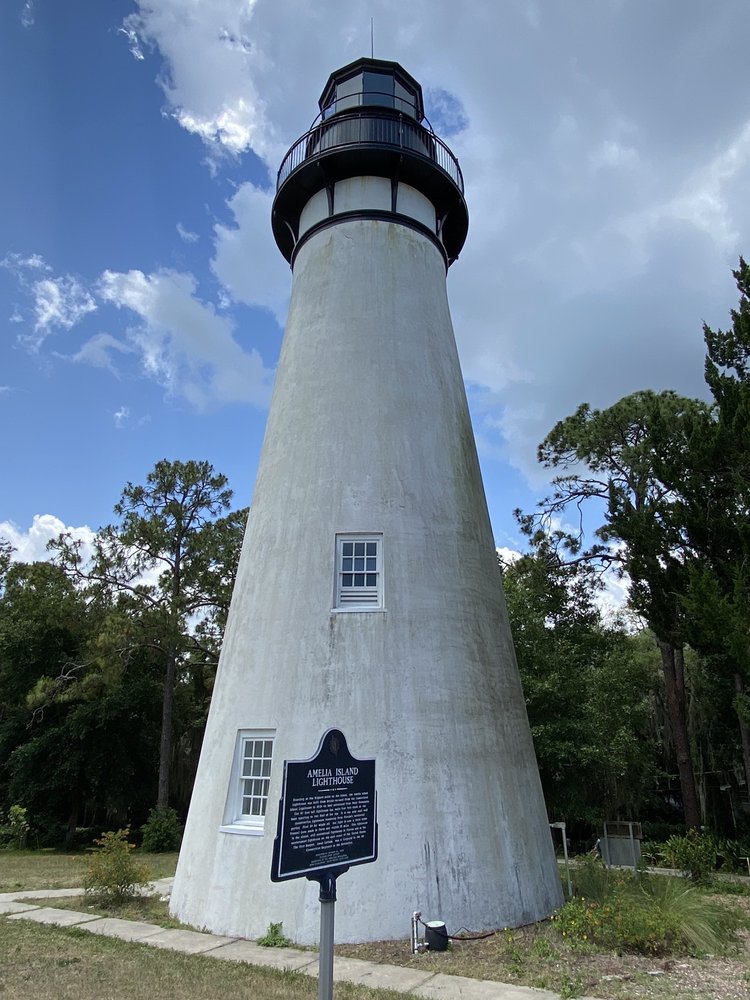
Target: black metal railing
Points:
(367, 128)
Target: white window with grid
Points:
(249, 784)
(359, 572)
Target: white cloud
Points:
(209, 86)
(133, 41)
(704, 201)
(612, 599)
(97, 351)
(186, 235)
(60, 302)
(121, 416)
(247, 261)
(31, 545)
(184, 344)
(508, 556)
(27, 14)
(17, 263)
(57, 302)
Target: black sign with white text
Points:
(327, 813)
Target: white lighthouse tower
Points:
(368, 596)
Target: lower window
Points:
(249, 782)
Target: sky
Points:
(605, 146)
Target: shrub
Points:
(701, 924)
(594, 881)
(162, 831)
(274, 938)
(112, 873)
(580, 919)
(694, 854)
(652, 853)
(731, 855)
(640, 926)
(623, 924)
(15, 833)
(648, 914)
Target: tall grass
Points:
(704, 925)
(650, 914)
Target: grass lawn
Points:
(39, 962)
(533, 956)
(58, 870)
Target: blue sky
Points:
(606, 150)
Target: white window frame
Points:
(235, 821)
(349, 597)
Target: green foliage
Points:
(693, 854)
(87, 648)
(15, 832)
(592, 880)
(699, 853)
(709, 479)
(623, 924)
(580, 920)
(588, 689)
(111, 871)
(19, 824)
(274, 937)
(732, 855)
(162, 831)
(730, 888)
(170, 530)
(6, 551)
(653, 853)
(570, 987)
(614, 457)
(702, 925)
(650, 915)
(645, 925)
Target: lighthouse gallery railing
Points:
(364, 128)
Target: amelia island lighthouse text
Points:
(368, 596)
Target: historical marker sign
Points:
(327, 814)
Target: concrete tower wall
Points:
(369, 432)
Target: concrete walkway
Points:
(414, 982)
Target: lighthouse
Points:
(368, 596)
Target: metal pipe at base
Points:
(415, 944)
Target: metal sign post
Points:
(327, 899)
(327, 823)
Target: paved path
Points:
(414, 982)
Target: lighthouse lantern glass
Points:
(346, 95)
(377, 88)
(371, 88)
